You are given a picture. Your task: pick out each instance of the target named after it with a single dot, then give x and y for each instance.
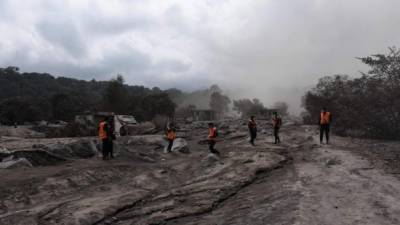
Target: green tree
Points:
(154, 104)
(20, 110)
(368, 106)
(66, 106)
(116, 96)
(26, 97)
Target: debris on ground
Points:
(64, 181)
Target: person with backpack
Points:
(212, 135)
(276, 125)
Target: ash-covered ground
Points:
(65, 181)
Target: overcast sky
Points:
(271, 49)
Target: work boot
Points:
(214, 151)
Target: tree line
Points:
(31, 97)
(368, 106)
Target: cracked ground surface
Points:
(297, 182)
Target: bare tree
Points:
(219, 103)
(281, 108)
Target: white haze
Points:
(272, 49)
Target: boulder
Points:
(332, 162)
(210, 160)
(78, 149)
(11, 163)
(84, 149)
(180, 145)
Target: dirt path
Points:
(340, 187)
(323, 185)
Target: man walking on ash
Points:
(325, 120)
(276, 124)
(212, 135)
(171, 136)
(252, 129)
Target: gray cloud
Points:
(111, 25)
(270, 49)
(63, 34)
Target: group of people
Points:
(211, 138)
(106, 132)
(276, 125)
(324, 122)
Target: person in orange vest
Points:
(171, 136)
(324, 121)
(252, 129)
(212, 135)
(105, 136)
(276, 124)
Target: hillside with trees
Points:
(30, 97)
(368, 106)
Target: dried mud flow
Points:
(297, 182)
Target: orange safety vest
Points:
(276, 122)
(102, 132)
(325, 118)
(171, 134)
(212, 133)
(252, 124)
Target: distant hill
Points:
(27, 97)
